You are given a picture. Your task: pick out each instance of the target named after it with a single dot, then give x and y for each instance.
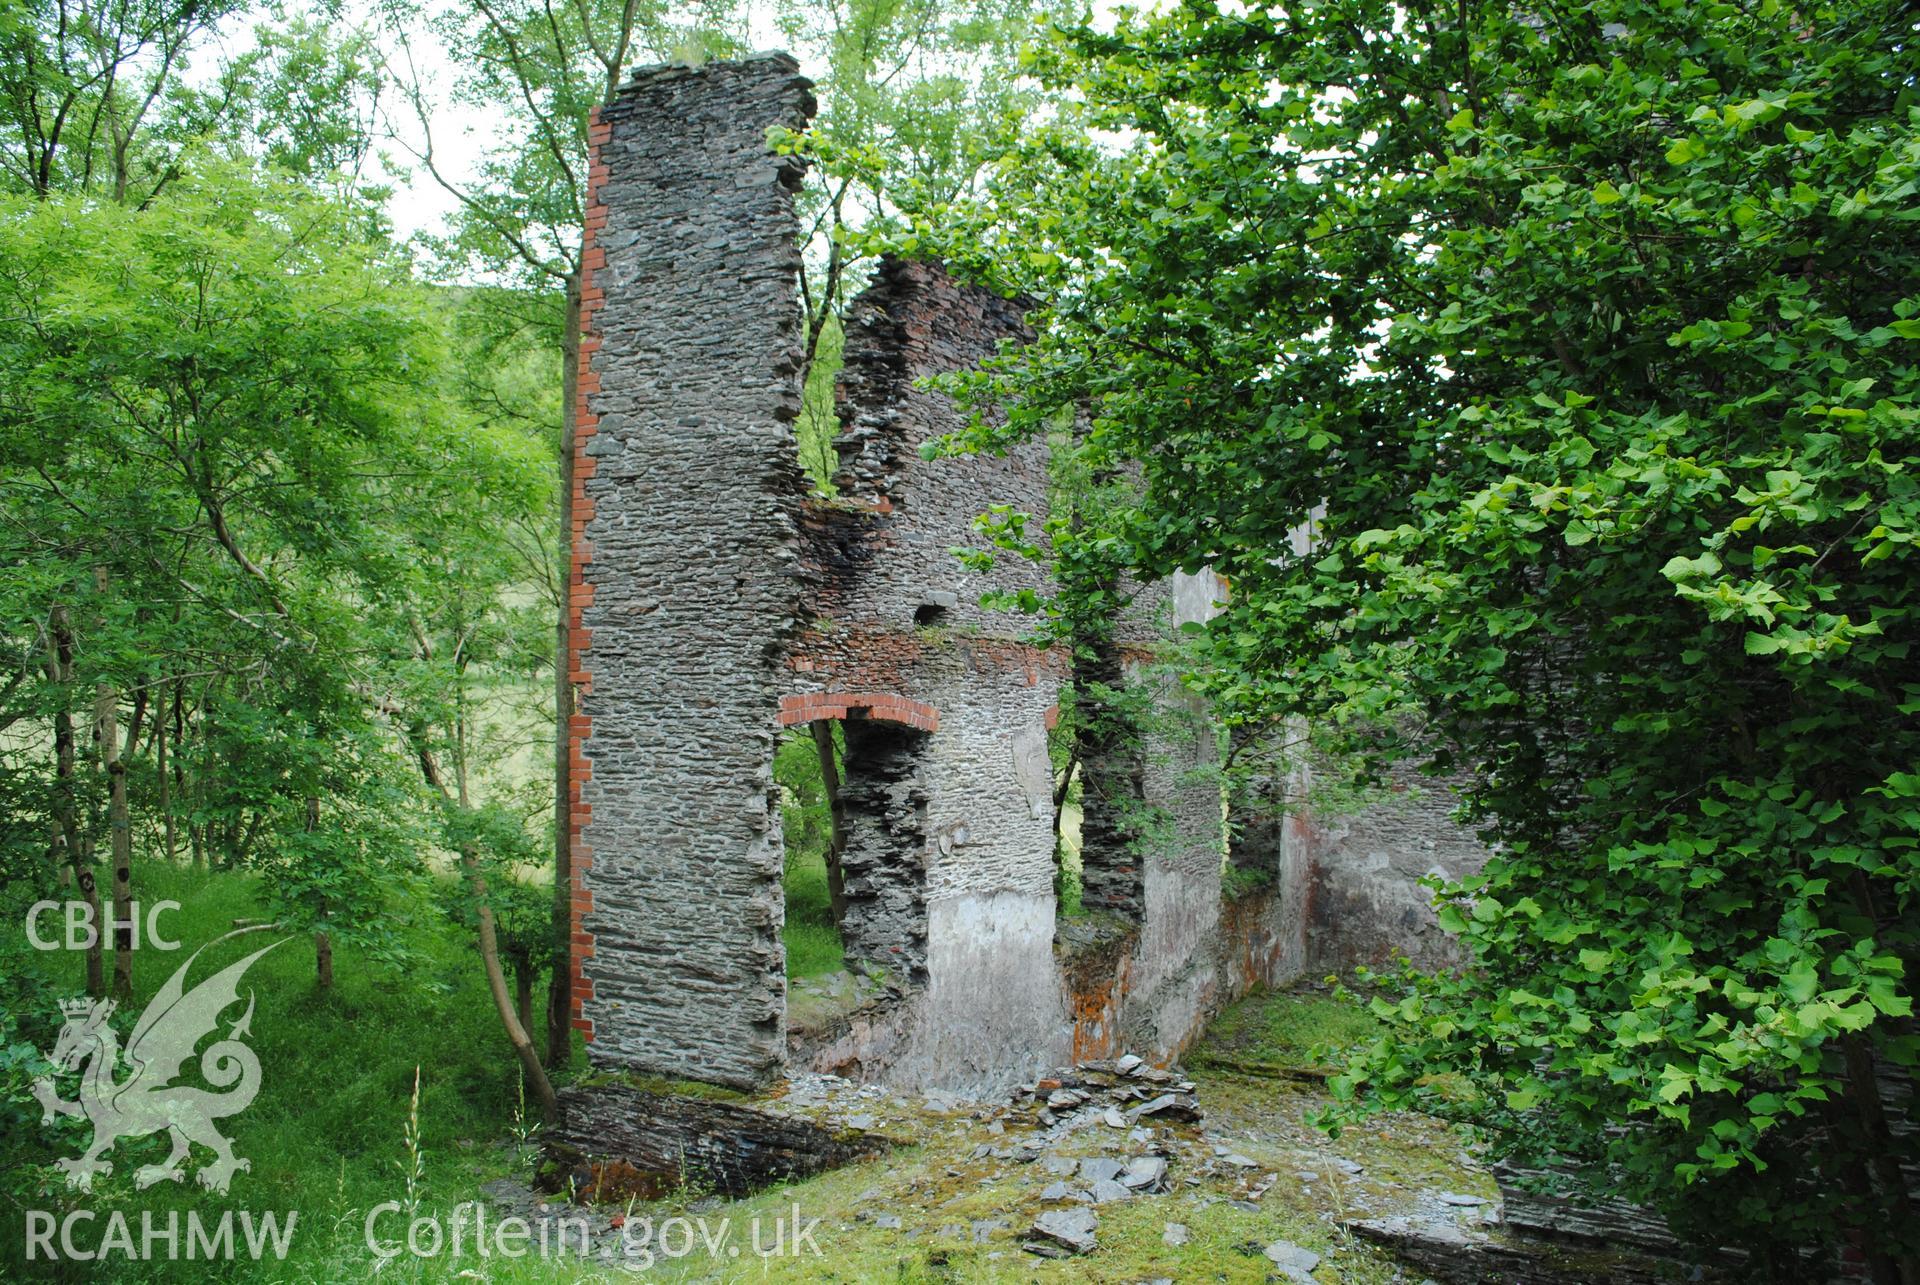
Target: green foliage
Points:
(819, 423)
(343, 840)
(914, 97)
(1583, 344)
(98, 98)
(537, 70)
(1240, 881)
(29, 1026)
(809, 930)
(804, 814)
(77, 83)
(240, 462)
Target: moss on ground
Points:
(664, 1086)
(327, 1137)
(1304, 1027)
(939, 1189)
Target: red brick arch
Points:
(880, 706)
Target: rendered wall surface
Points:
(1366, 904)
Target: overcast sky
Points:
(462, 134)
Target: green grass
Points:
(1295, 1028)
(812, 938)
(326, 1134)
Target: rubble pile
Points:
(1121, 1093)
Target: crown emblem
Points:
(83, 1008)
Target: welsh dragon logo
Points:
(146, 1100)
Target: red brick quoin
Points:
(878, 706)
(579, 592)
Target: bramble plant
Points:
(1582, 340)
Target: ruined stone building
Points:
(716, 602)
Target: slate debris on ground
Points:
(1292, 1261)
(1125, 1093)
(1054, 1208)
(1059, 1232)
(1122, 1093)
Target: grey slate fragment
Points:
(1071, 1229)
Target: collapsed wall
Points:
(895, 624)
(715, 603)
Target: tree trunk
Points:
(188, 790)
(837, 819)
(322, 942)
(162, 733)
(120, 827)
(136, 723)
(523, 991)
(1060, 793)
(242, 846)
(1880, 1162)
(530, 1064)
(66, 821)
(1880, 1165)
(523, 1048)
(560, 987)
(323, 960)
(119, 824)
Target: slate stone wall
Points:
(885, 796)
(1152, 829)
(1112, 788)
(686, 542)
